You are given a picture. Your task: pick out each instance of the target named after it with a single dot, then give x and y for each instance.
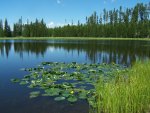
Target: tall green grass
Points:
(128, 92)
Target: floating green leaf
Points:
(34, 94)
(70, 81)
(72, 99)
(83, 95)
(53, 91)
(23, 82)
(65, 93)
(59, 98)
(15, 80)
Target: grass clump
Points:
(128, 92)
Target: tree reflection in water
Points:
(120, 52)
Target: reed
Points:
(127, 92)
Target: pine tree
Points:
(7, 30)
(1, 29)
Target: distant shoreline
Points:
(69, 38)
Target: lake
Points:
(17, 54)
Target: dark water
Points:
(18, 54)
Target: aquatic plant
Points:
(128, 92)
(67, 81)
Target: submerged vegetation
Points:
(128, 92)
(108, 88)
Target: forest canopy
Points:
(129, 23)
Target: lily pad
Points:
(23, 82)
(72, 99)
(15, 80)
(59, 98)
(65, 93)
(34, 94)
(53, 91)
(70, 81)
(83, 95)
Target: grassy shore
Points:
(69, 38)
(128, 92)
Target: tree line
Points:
(127, 23)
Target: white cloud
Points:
(113, 0)
(105, 2)
(52, 24)
(58, 2)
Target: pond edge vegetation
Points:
(71, 38)
(119, 91)
(129, 92)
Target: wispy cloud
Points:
(53, 24)
(58, 2)
(50, 25)
(105, 1)
(113, 0)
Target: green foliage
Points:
(7, 30)
(1, 29)
(15, 80)
(113, 88)
(69, 82)
(36, 29)
(128, 92)
(131, 22)
(18, 27)
(59, 98)
(34, 94)
(72, 99)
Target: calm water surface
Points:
(17, 54)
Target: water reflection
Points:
(121, 52)
(17, 54)
(36, 48)
(5, 49)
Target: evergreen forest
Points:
(123, 23)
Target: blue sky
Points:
(55, 12)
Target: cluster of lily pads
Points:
(67, 81)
